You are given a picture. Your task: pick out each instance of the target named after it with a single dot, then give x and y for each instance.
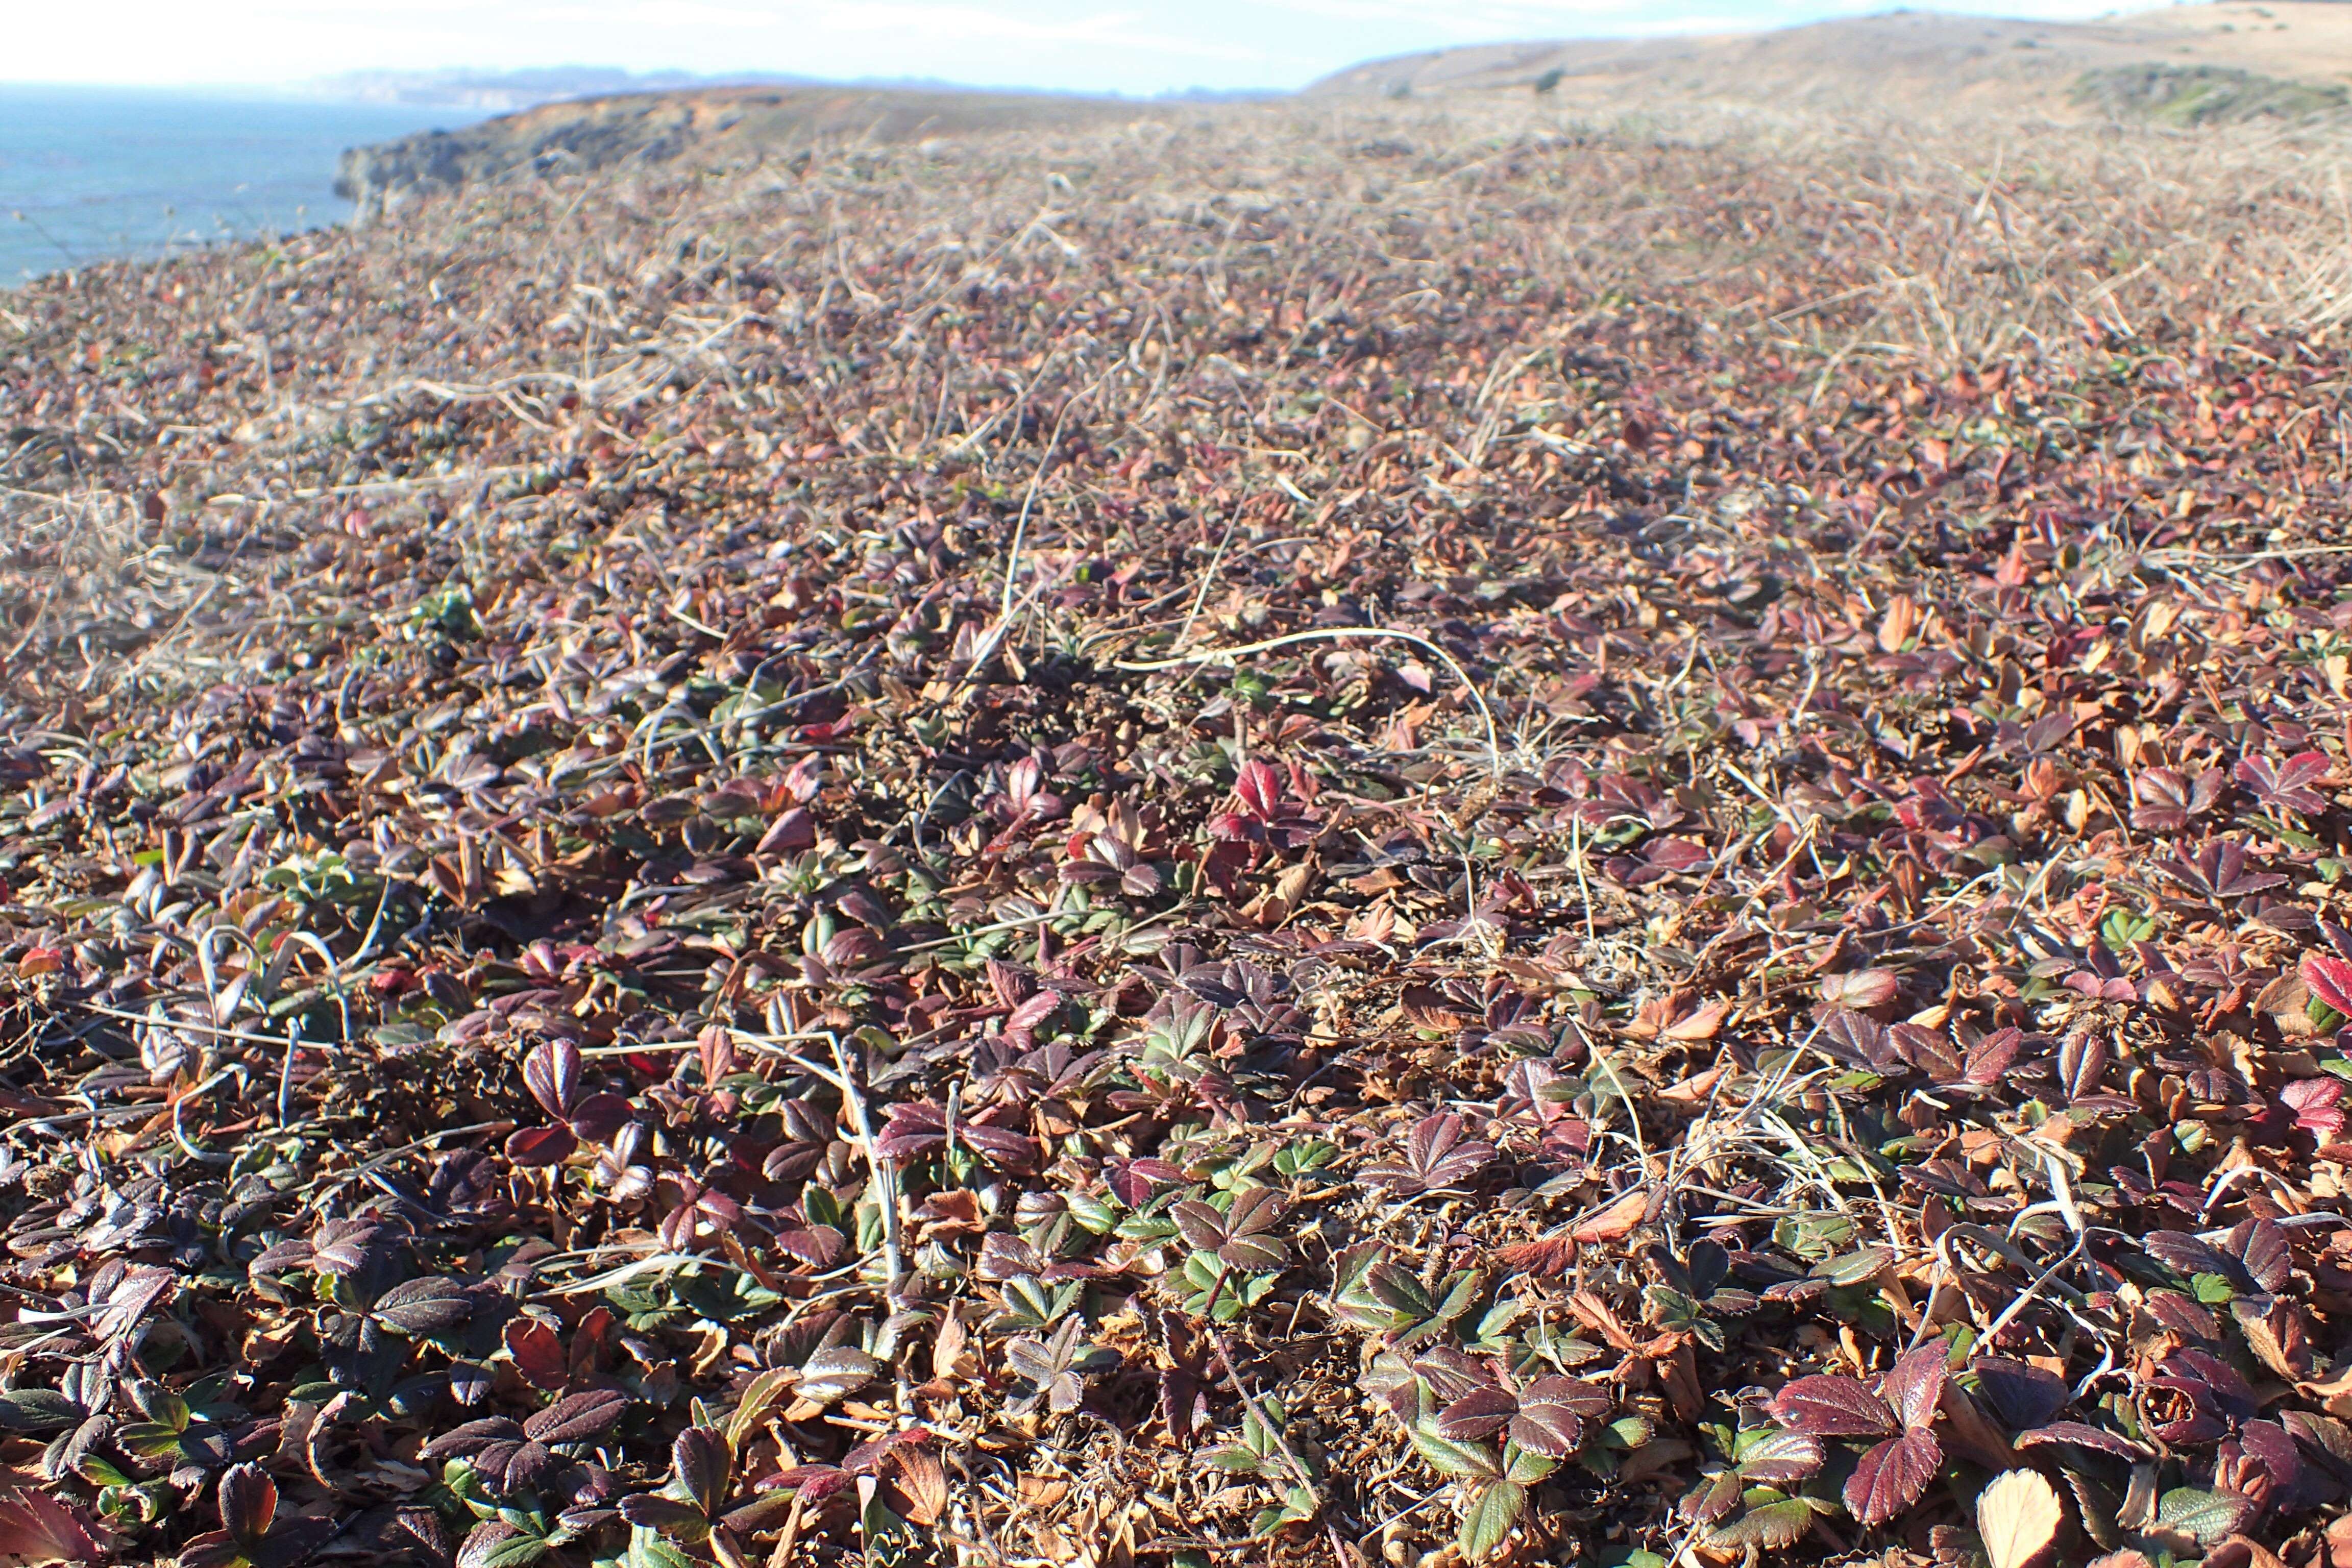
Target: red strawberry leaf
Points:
(1832, 1406)
(552, 1073)
(538, 1353)
(1479, 1413)
(2330, 980)
(2082, 1436)
(1552, 1412)
(42, 1530)
(1435, 1156)
(2287, 784)
(2316, 1105)
(1890, 1477)
(540, 1145)
(1914, 1385)
(576, 1417)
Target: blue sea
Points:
(91, 172)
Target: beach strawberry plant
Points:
(1405, 836)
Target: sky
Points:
(1136, 47)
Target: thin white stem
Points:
(1338, 634)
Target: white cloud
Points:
(1107, 30)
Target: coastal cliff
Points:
(717, 126)
(2188, 65)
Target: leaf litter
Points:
(1472, 853)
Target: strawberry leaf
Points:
(1832, 1406)
(1891, 1476)
(1914, 1385)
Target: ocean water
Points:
(91, 172)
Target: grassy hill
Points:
(1909, 62)
(2185, 66)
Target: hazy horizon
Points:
(1052, 46)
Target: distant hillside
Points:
(713, 125)
(2185, 66)
(1912, 61)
